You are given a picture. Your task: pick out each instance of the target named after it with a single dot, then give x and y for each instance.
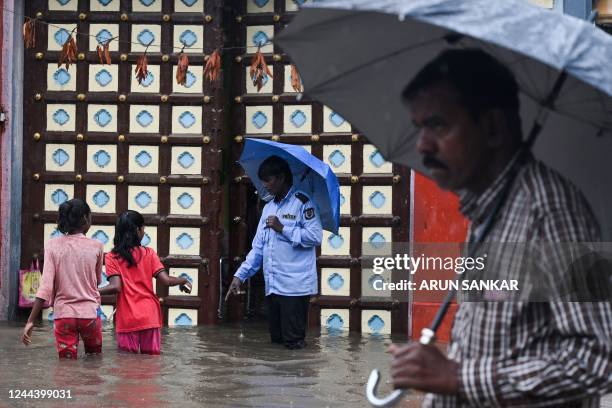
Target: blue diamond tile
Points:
(102, 158)
(143, 199)
(261, 3)
(342, 199)
(147, 3)
(146, 240)
(190, 79)
(145, 37)
(56, 233)
(103, 77)
(299, 2)
(376, 158)
(105, 2)
(185, 200)
(188, 38)
(259, 119)
(61, 76)
(103, 117)
(335, 281)
(100, 236)
(101, 198)
(337, 158)
(184, 241)
(61, 117)
(148, 80)
(183, 320)
(103, 36)
(189, 3)
(260, 38)
(186, 276)
(298, 118)
(59, 196)
(377, 199)
(377, 240)
(187, 119)
(60, 157)
(336, 241)
(334, 322)
(63, 2)
(61, 36)
(336, 119)
(186, 160)
(144, 118)
(143, 158)
(376, 324)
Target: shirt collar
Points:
(477, 206)
(289, 194)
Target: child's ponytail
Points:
(72, 216)
(126, 235)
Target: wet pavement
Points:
(212, 366)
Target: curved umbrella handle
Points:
(387, 401)
(427, 336)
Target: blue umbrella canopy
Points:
(356, 56)
(310, 175)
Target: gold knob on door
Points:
(80, 137)
(36, 176)
(354, 179)
(238, 139)
(39, 56)
(37, 136)
(162, 180)
(78, 177)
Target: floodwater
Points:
(212, 366)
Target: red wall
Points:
(436, 220)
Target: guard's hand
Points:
(234, 287)
(185, 286)
(26, 336)
(273, 222)
(424, 368)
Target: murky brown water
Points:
(213, 366)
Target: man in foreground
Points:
(466, 107)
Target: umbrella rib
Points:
(377, 59)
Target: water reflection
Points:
(216, 366)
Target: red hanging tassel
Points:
(213, 66)
(69, 51)
(181, 69)
(104, 53)
(29, 33)
(259, 69)
(296, 81)
(141, 68)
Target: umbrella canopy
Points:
(358, 55)
(310, 175)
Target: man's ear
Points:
(495, 126)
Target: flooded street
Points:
(212, 366)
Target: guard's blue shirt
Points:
(289, 257)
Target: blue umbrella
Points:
(310, 175)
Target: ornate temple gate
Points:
(375, 193)
(92, 131)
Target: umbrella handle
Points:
(427, 337)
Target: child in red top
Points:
(71, 274)
(130, 268)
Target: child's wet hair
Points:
(126, 235)
(72, 216)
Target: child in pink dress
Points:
(130, 268)
(71, 273)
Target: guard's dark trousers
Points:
(287, 317)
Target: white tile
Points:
(106, 5)
(186, 160)
(188, 6)
(293, 5)
(142, 34)
(377, 240)
(61, 79)
(55, 40)
(67, 5)
(104, 234)
(148, 6)
(103, 78)
(104, 32)
(376, 321)
(189, 36)
(101, 158)
(144, 119)
(258, 119)
(150, 84)
(56, 194)
(334, 122)
(345, 200)
(143, 159)
(102, 118)
(192, 275)
(297, 119)
(377, 200)
(50, 231)
(194, 80)
(287, 88)
(335, 320)
(184, 241)
(267, 87)
(335, 281)
(187, 119)
(259, 35)
(59, 157)
(143, 199)
(101, 198)
(260, 6)
(338, 157)
(374, 162)
(182, 317)
(337, 244)
(61, 117)
(185, 200)
(149, 238)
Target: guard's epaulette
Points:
(302, 197)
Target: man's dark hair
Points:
(275, 166)
(483, 83)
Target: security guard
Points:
(288, 233)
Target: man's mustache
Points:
(432, 162)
